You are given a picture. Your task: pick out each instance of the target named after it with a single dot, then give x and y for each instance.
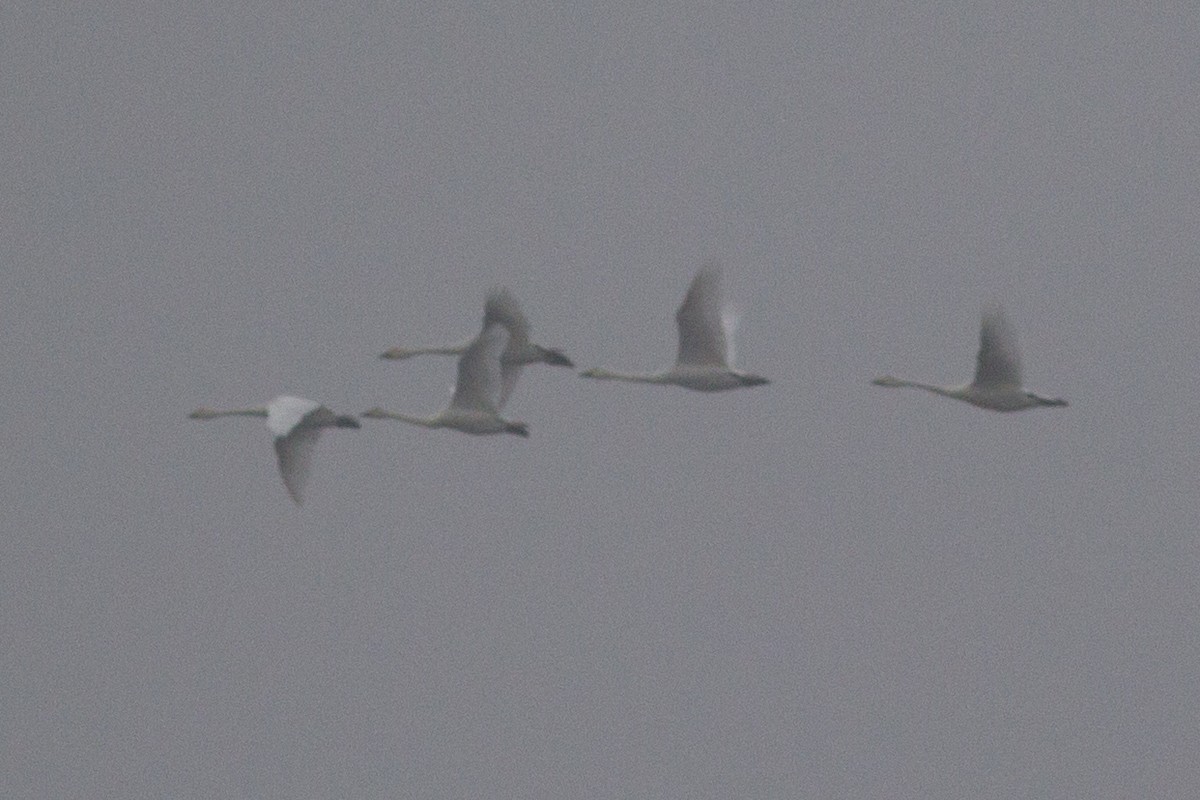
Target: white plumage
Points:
(997, 384)
(500, 308)
(705, 357)
(296, 424)
(478, 392)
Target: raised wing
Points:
(284, 413)
(479, 374)
(510, 371)
(702, 340)
(501, 308)
(998, 362)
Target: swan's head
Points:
(753, 380)
(374, 413)
(519, 428)
(595, 372)
(202, 413)
(397, 353)
(887, 380)
(346, 422)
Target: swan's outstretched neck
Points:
(397, 353)
(608, 375)
(209, 413)
(379, 413)
(888, 381)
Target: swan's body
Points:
(474, 406)
(500, 308)
(704, 361)
(296, 424)
(997, 385)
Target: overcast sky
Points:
(815, 588)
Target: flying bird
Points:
(704, 362)
(500, 308)
(997, 384)
(474, 407)
(296, 423)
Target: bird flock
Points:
(490, 364)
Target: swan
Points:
(296, 423)
(997, 384)
(473, 407)
(500, 308)
(705, 344)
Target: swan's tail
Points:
(555, 357)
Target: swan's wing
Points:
(729, 324)
(284, 413)
(295, 458)
(998, 362)
(701, 332)
(501, 308)
(479, 375)
(510, 371)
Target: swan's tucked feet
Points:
(1047, 401)
(555, 358)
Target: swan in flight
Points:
(997, 383)
(705, 344)
(296, 423)
(474, 407)
(500, 308)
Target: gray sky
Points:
(813, 589)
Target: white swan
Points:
(705, 344)
(500, 308)
(997, 385)
(296, 423)
(474, 406)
